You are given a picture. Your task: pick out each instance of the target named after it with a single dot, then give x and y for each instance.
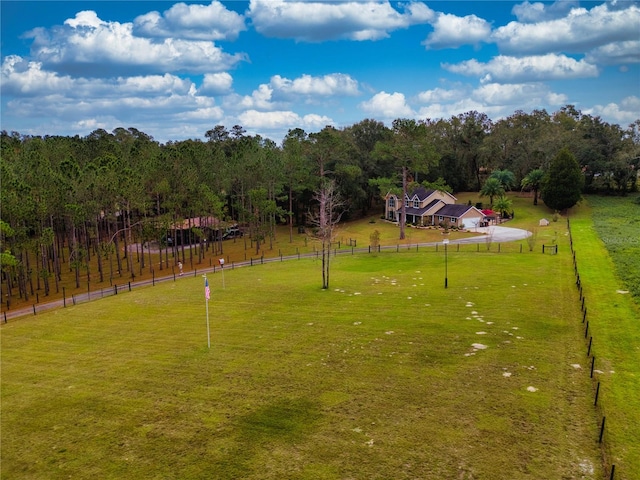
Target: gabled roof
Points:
(455, 210)
(421, 211)
(420, 193)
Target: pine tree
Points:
(562, 185)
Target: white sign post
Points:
(207, 295)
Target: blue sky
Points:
(176, 69)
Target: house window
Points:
(453, 219)
(416, 204)
(392, 202)
(440, 218)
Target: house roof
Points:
(454, 210)
(421, 211)
(422, 193)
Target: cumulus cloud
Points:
(451, 31)
(195, 22)
(261, 98)
(33, 92)
(20, 76)
(530, 94)
(210, 113)
(24, 78)
(537, 12)
(216, 83)
(534, 68)
(578, 31)
(448, 110)
(624, 113)
(90, 46)
(438, 95)
(281, 91)
(496, 101)
(316, 21)
(335, 84)
(387, 105)
(617, 53)
(282, 119)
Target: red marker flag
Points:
(207, 290)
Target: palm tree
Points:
(492, 188)
(533, 180)
(503, 205)
(506, 178)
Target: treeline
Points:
(67, 199)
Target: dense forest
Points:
(66, 199)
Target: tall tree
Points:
(324, 219)
(492, 188)
(472, 131)
(506, 178)
(533, 180)
(296, 170)
(520, 142)
(412, 152)
(364, 136)
(562, 184)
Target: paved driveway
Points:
(497, 234)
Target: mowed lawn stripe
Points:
(614, 324)
(382, 376)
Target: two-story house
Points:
(432, 207)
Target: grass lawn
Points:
(614, 318)
(385, 375)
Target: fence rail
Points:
(474, 244)
(596, 383)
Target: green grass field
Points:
(386, 375)
(614, 318)
(383, 376)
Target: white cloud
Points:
(212, 113)
(281, 91)
(22, 77)
(617, 53)
(216, 83)
(94, 47)
(388, 106)
(579, 31)
(281, 119)
(536, 12)
(524, 94)
(451, 31)
(495, 100)
(447, 110)
(438, 95)
(196, 22)
(260, 98)
(534, 68)
(317, 21)
(151, 85)
(326, 86)
(624, 113)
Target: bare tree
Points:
(324, 221)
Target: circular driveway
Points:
(497, 234)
